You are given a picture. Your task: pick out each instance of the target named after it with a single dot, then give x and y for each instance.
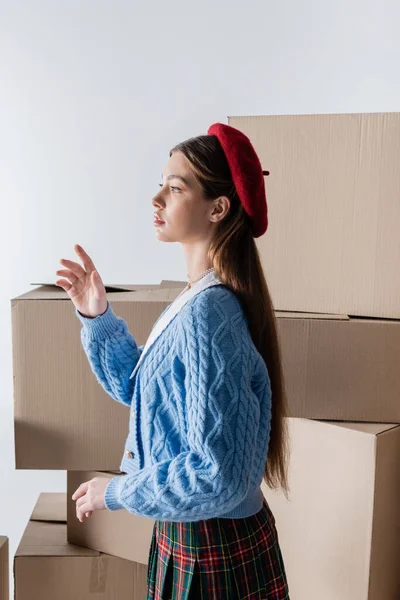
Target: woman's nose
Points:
(157, 200)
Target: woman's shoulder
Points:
(212, 306)
(217, 297)
(215, 316)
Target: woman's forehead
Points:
(178, 166)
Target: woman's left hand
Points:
(90, 497)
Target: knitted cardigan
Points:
(200, 410)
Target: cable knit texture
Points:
(200, 410)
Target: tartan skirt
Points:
(217, 559)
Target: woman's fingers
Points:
(64, 284)
(76, 268)
(80, 513)
(81, 490)
(66, 273)
(85, 258)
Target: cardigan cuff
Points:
(113, 492)
(102, 326)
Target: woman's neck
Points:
(197, 260)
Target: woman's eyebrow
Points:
(172, 176)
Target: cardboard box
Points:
(4, 568)
(333, 244)
(119, 532)
(173, 283)
(62, 415)
(46, 566)
(335, 367)
(341, 368)
(340, 531)
(338, 367)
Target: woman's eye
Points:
(173, 188)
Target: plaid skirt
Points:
(217, 559)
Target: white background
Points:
(93, 94)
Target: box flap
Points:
(50, 507)
(49, 537)
(285, 314)
(114, 292)
(371, 428)
(109, 286)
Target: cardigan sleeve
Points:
(214, 471)
(112, 352)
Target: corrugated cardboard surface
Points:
(119, 532)
(62, 414)
(172, 283)
(341, 369)
(333, 192)
(46, 566)
(4, 568)
(385, 552)
(339, 533)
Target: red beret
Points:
(247, 173)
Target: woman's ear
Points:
(220, 208)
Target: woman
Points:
(205, 392)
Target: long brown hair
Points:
(235, 257)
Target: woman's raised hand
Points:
(83, 284)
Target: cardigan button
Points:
(129, 454)
(133, 414)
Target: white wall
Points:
(92, 96)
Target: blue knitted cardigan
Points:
(200, 410)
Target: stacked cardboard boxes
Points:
(330, 256)
(62, 417)
(48, 567)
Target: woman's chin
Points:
(162, 235)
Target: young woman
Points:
(205, 392)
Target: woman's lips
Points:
(158, 222)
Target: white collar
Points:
(173, 309)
